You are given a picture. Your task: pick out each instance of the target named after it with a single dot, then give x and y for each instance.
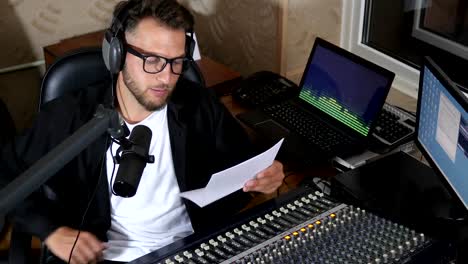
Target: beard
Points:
(139, 94)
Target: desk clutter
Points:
(338, 109)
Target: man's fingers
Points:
(268, 180)
(88, 248)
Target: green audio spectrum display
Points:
(333, 108)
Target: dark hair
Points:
(167, 12)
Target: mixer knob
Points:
(385, 258)
(422, 238)
(408, 245)
(280, 255)
(400, 249)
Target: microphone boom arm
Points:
(25, 184)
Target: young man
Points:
(193, 136)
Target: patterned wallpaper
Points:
(307, 20)
(241, 33)
(28, 25)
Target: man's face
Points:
(150, 38)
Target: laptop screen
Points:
(442, 127)
(346, 87)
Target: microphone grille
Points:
(141, 136)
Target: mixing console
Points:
(309, 229)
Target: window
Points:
(397, 34)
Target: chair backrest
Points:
(84, 67)
(76, 70)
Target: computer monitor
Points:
(442, 128)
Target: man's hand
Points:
(88, 248)
(266, 181)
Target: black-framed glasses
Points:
(155, 63)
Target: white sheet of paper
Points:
(232, 179)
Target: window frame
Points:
(406, 77)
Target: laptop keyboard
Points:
(312, 130)
(389, 127)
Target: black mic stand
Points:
(105, 119)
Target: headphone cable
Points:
(90, 201)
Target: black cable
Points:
(324, 182)
(113, 168)
(103, 163)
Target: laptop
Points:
(340, 97)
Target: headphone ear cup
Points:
(116, 55)
(105, 48)
(189, 46)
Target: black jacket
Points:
(204, 137)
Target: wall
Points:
(307, 20)
(241, 33)
(246, 35)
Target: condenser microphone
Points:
(132, 162)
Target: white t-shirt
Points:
(155, 216)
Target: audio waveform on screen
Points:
(330, 106)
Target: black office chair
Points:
(76, 70)
(7, 132)
(79, 69)
(85, 67)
